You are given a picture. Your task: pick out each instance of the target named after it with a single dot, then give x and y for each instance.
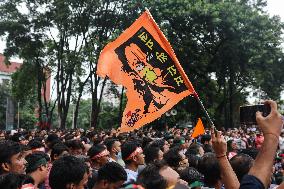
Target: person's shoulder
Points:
(251, 182)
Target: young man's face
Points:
(140, 158)
(2, 136)
(43, 172)
(117, 146)
(17, 164)
(166, 146)
(104, 159)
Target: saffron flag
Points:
(142, 60)
(198, 129)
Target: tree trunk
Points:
(98, 105)
(39, 84)
(225, 105)
(231, 94)
(76, 111)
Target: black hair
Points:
(34, 160)
(17, 137)
(66, 170)
(51, 138)
(34, 144)
(192, 160)
(58, 149)
(172, 157)
(74, 144)
(112, 172)
(151, 154)
(207, 148)
(190, 175)
(159, 143)
(85, 139)
(193, 149)
(241, 164)
(127, 149)
(109, 143)
(178, 141)
(146, 141)
(210, 168)
(14, 180)
(95, 150)
(150, 176)
(205, 138)
(229, 145)
(8, 148)
(252, 152)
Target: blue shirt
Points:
(251, 182)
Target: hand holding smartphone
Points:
(248, 113)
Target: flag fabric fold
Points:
(198, 129)
(143, 61)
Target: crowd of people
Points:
(245, 158)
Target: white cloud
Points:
(275, 7)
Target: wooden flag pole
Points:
(203, 108)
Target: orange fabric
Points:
(142, 60)
(199, 129)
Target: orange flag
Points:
(198, 129)
(142, 60)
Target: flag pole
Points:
(203, 108)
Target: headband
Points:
(28, 186)
(101, 154)
(137, 151)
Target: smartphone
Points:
(247, 113)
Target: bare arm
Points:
(271, 128)
(229, 178)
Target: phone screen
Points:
(247, 113)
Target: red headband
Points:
(101, 154)
(137, 151)
(28, 186)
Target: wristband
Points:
(218, 157)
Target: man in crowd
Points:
(68, 172)
(99, 156)
(37, 167)
(110, 176)
(114, 148)
(133, 156)
(11, 158)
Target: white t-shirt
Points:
(131, 175)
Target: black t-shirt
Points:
(251, 182)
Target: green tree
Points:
(227, 46)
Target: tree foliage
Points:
(225, 46)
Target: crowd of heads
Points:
(150, 159)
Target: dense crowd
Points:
(246, 158)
